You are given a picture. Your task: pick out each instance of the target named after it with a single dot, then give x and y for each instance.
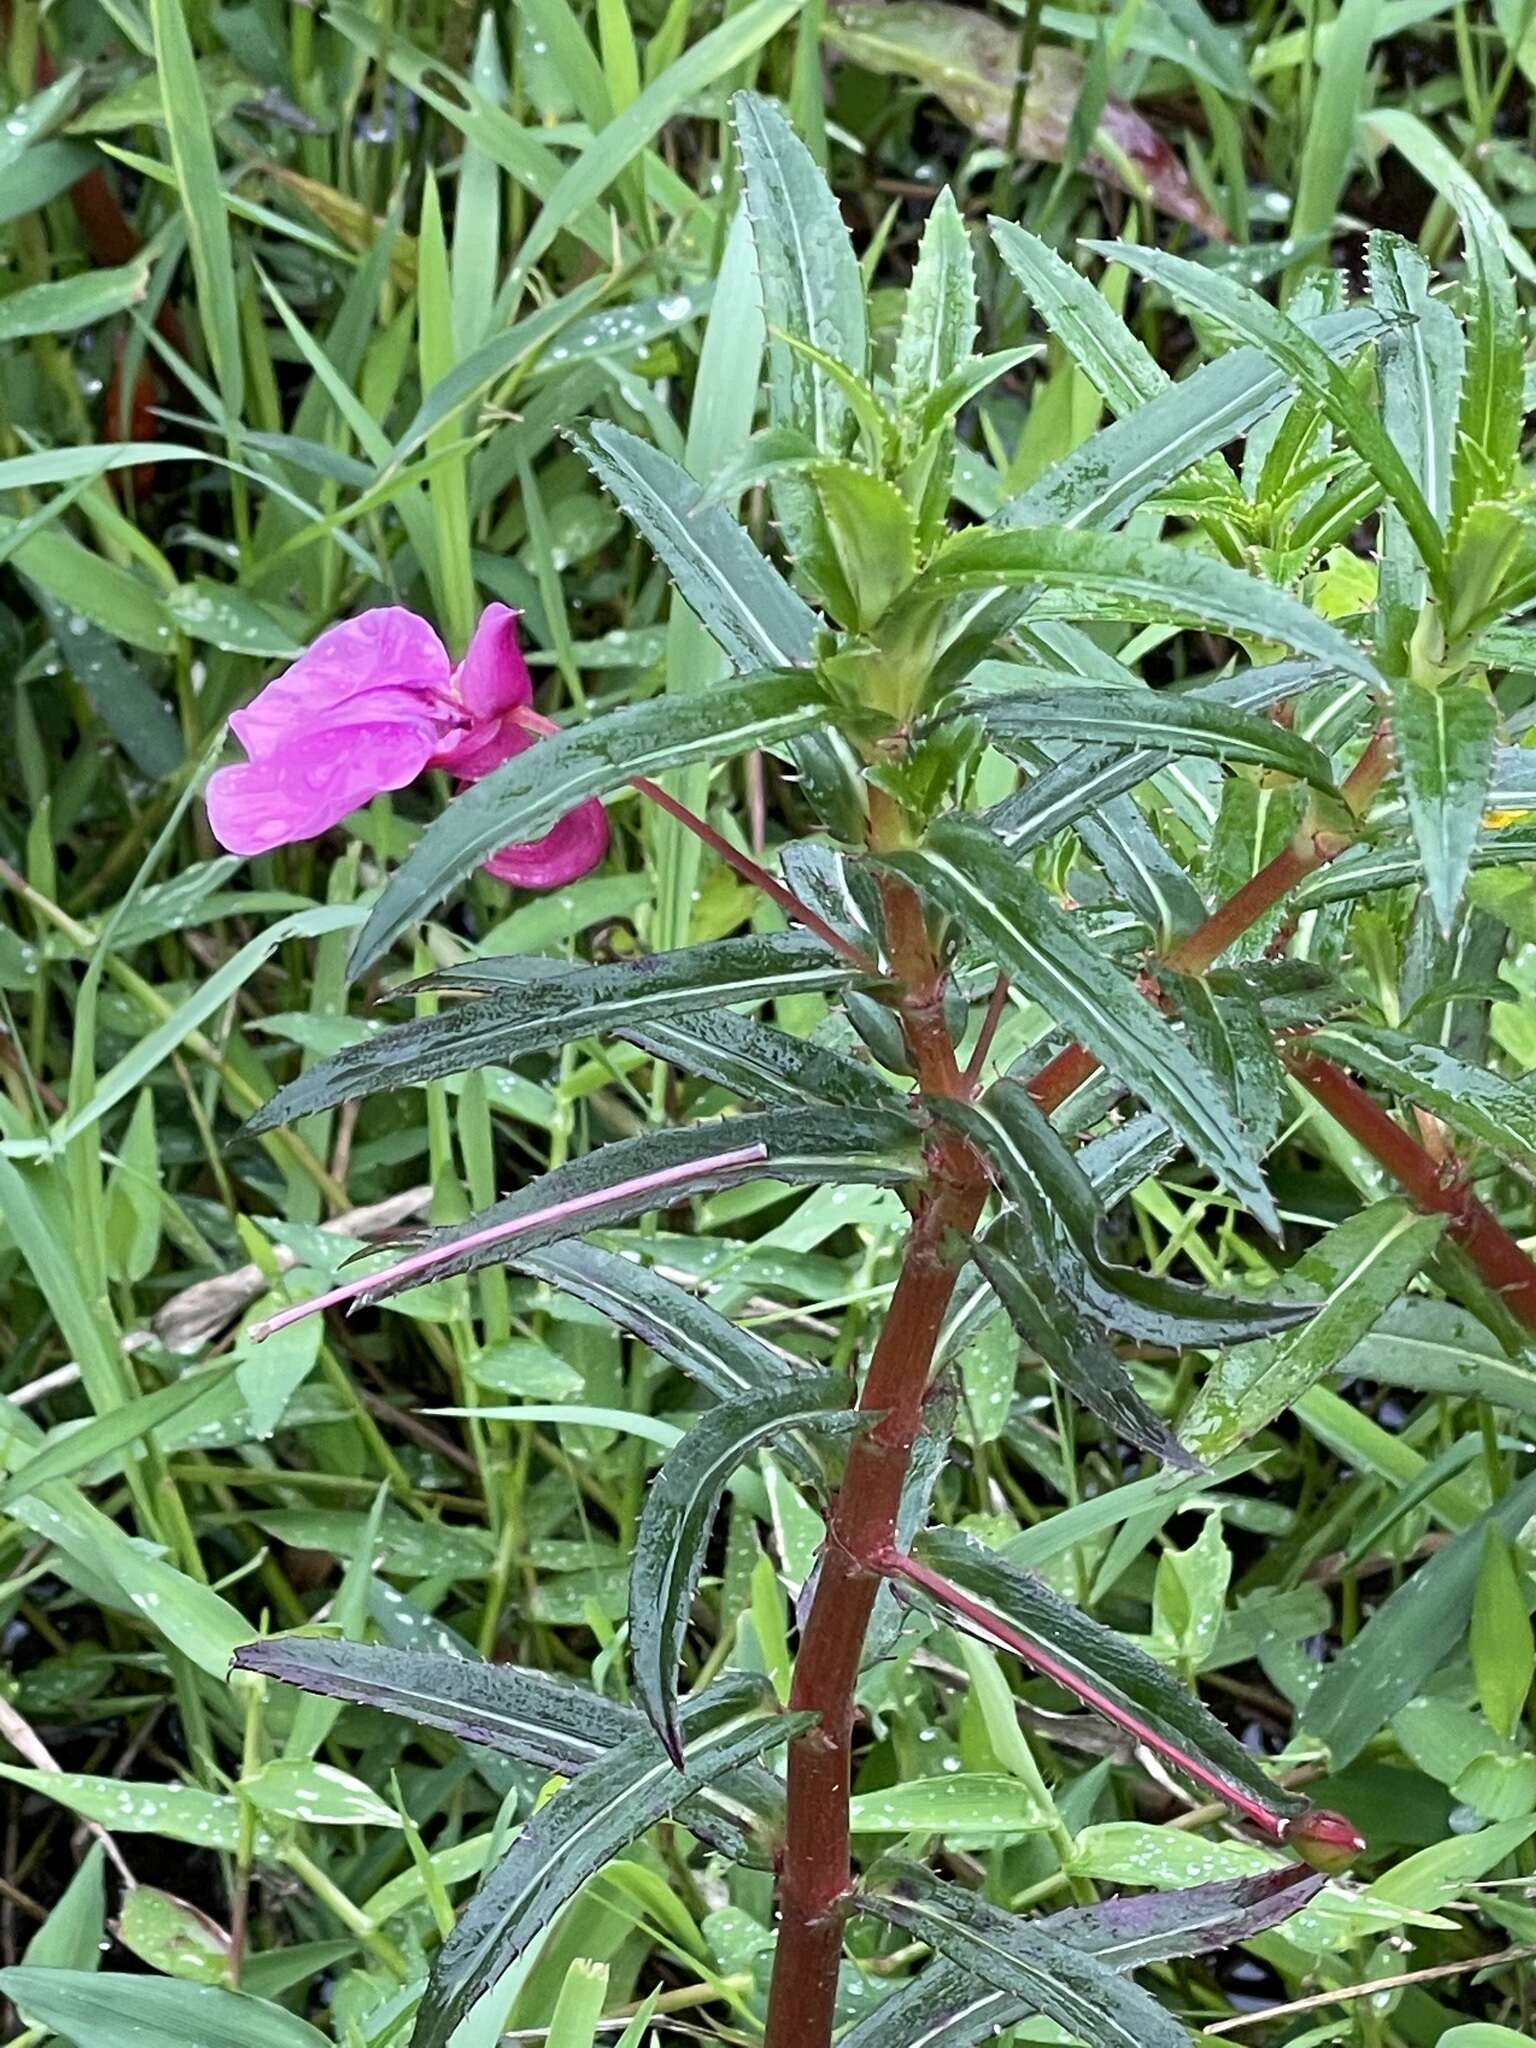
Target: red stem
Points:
(815, 1871)
(1433, 1186)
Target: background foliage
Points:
(302, 308)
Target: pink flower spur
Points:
(371, 705)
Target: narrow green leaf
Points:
(938, 324)
(1053, 1192)
(1410, 1639)
(547, 1722)
(1340, 94)
(1111, 572)
(610, 1805)
(1104, 479)
(1066, 1983)
(1492, 412)
(1503, 1650)
(760, 1063)
(1445, 739)
(945, 2007)
(1105, 1662)
(75, 1450)
(679, 1512)
(675, 1324)
(1040, 948)
(1245, 317)
(1421, 360)
(197, 176)
(1473, 1100)
(514, 1012)
(1181, 722)
(879, 1148)
(735, 590)
(811, 285)
(524, 797)
(1049, 1323)
(1358, 1269)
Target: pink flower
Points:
(369, 707)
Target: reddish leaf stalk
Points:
(898, 1565)
(1427, 1180)
(743, 863)
(682, 1176)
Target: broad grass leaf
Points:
(1408, 1639)
(1358, 1269)
(111, 2010)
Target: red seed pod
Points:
(1325, 1840)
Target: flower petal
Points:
(493, 676)
(314, 781)
(569, 849)
(386, 649)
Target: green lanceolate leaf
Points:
(514, 1012)
(1044, 1974)
(945, 2007)
(1409, 1639)
(1445, 739)
(1113, 573)
(1094, 1660)
(1246, 317)
(1104, 480)
(554, 1725)
(810, 277)
(1022, 1278)
(1037, 945)
(1358, 1270)
(97, 1440)
(1180, 723)
(610, 1805)
(759, 1062)
(1492, 412)
(1479, 1104)
(524, 797)
(546, 1722)
(675, 1324)
(740, 598)
(1053, 1193)
(680, 1508)
(1420, 361)
(938, 324)
(618, 1181)
(1227, 1028)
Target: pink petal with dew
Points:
(570, 849)
(386, 649)
(493, 676)
(314, 781)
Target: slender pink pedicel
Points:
(370, 706)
